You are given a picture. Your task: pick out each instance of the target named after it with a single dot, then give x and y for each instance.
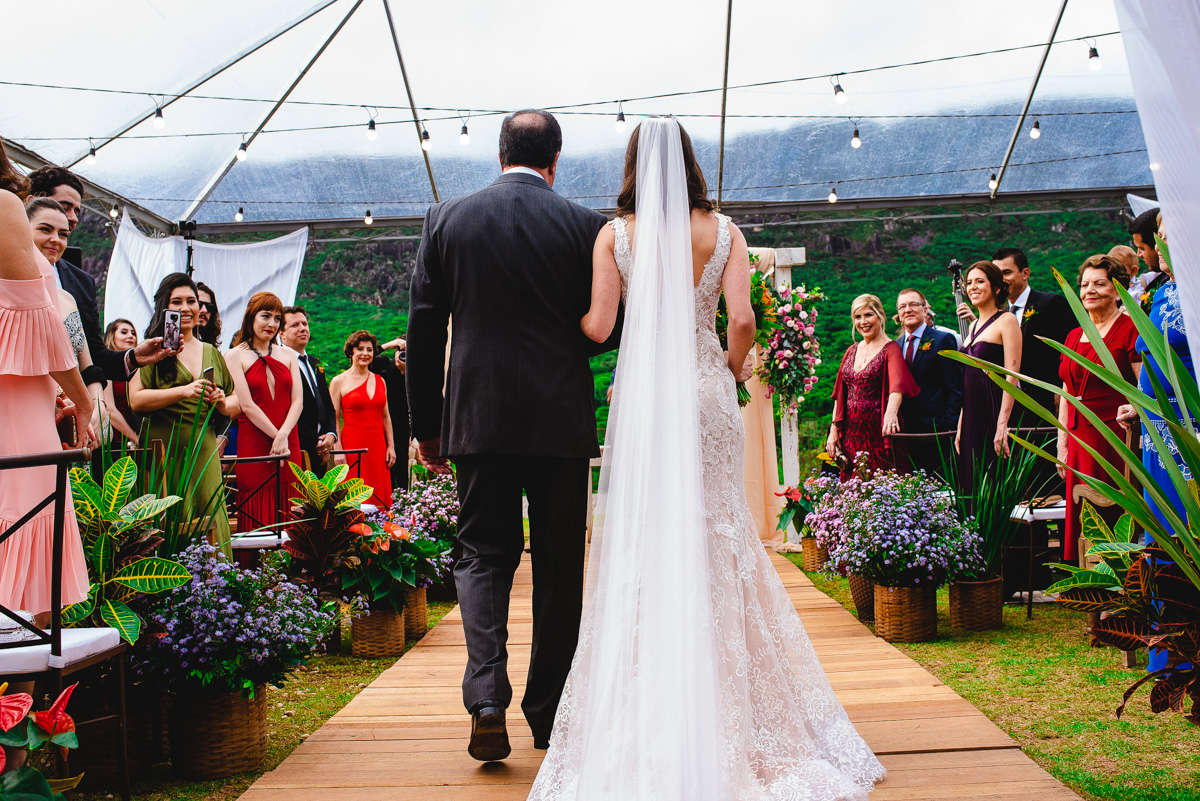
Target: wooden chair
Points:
(57, 653)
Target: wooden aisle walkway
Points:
(404, 737)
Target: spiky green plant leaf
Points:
(152, 575)
(122, 618)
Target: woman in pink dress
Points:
(35, 360)
(266, 378)
(360, 406)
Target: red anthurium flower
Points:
(361, 528)
(55, 720)
(402, 534)
(385, 544)
(13, 709)
(390, 527)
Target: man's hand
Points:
(1126, 415)
(325, 443)
(397, 343)
(429, 454)
(151, 351)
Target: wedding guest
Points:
(35, 361)
(317, 426)
(1127, 257)
(1098, 276)
(937, 405)
(210, 316)
(930, 321)
(63, 187)
(995, 337)
(177, 393)
(120, 334)
(266, 378)
(871, 383)
(360, 404)
(1142, 231)
(391, 367)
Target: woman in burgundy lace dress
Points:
(871, 382)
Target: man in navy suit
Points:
(937, 406)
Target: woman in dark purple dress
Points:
(871, 382)
(995, 337)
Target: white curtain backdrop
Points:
(235, 272)
(1162, 45)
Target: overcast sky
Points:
(502, 54)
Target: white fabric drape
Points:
(1162, 46)
(235, 272)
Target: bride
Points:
(694, 679)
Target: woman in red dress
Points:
(1097, 279)
(360, 406)
(871, 382)
(267, 381)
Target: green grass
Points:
(1047, 689)
(310, 697)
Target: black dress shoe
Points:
(489, 735)
(541, 743)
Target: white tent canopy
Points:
(786, 139)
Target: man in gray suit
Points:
(511, 266)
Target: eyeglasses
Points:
(906, 306)
(208, 304)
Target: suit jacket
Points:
(109, 364)
(1046, 314)
(316, 418)
(940, 380)
(511, 265)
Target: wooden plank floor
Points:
(404, 737)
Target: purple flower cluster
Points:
(897, 530)
(230, 629)
(430, 507)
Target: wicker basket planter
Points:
(863, 591)
(813, 555)
(378, 634)
(977, 605)
(219, 734)
(906, 614)
(416, 613)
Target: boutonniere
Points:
(1028, 313)
(1145, 298)
(926, 346)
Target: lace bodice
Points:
(75, 333)
(786, 737)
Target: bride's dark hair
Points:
(697, 189)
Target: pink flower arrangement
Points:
(792, 352)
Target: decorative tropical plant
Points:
(322, 536)
(802, 500)
(20, 727)
(379, 571)
(230, 629)
(429, 506)
(119, 539)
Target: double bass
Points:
(956, 281)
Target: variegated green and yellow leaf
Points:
(152, 575)
(118, 481)
(318, 493)
(76, 613)
(335, 475)
(122, 618)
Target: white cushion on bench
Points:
(77, 645)
(368, 508)
(1054, 511)
(258, 540)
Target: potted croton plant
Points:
(376, 572)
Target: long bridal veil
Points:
(639, 717)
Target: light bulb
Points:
(159, 122)
(371, 134)
(426, 142)
(464, 138)
(114, 212)
(243, 152)
(1154, 166)
(855, 141)
(367, 218)
(1094, 62)
(1036, 131)
(620, 123)
(91, 156)
(239, 215)
(992, 182)
(833, 198)
(839, 94)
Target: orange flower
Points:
(391, 528)
(385, 544)
(402, 534)
(361, 528)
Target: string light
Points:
(1036, 131)
(371, 133)
(464, 138)
(91, 156)
(426, 143)
(992, 182)
(839, 94)
(114, 212)
(620, 123)
(239, 215)
(855, 140)
(243, 152)
(367, 218)
(159, 122)
(833, 198)
(1154, 166)
(1094, 62)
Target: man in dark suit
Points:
(511, 266)
(317, 427)
(58, 184)
(937, 406)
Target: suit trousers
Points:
(492, 540)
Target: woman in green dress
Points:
(174, 396)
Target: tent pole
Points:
(1012, 142)
(203, 80)
(232, 159)
(724, 94)
(387, 9)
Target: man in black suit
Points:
(59, 184)
(937, 406)
(317, 427)
(511, 266)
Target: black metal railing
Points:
(238, 505)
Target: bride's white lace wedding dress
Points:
(781, 733)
